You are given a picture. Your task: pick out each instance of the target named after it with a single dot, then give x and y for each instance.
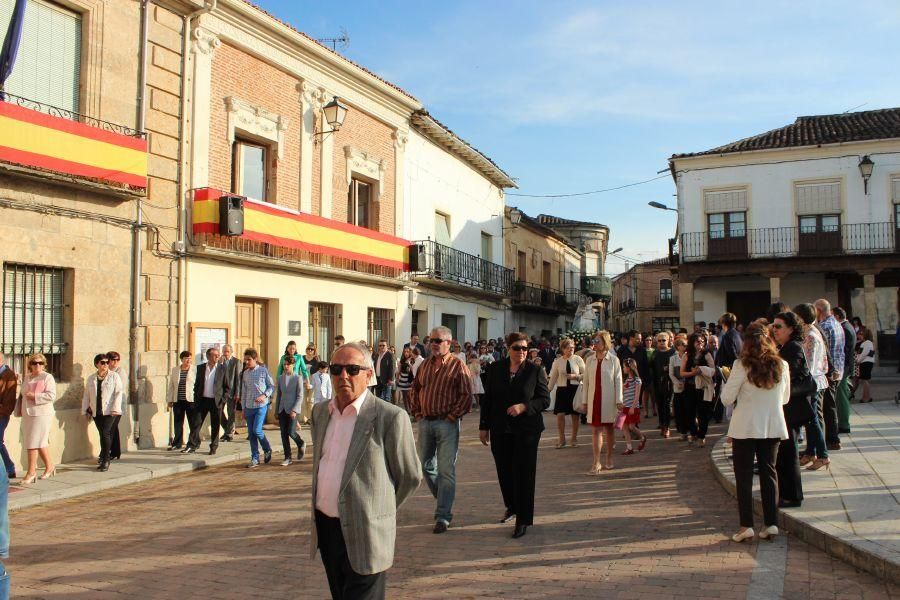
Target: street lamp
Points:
(661, 206)
(616, 250)
(515, 217)
(866, 166)
(335, 112)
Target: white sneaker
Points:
(287, 462)
(253, 464)
(768, 532)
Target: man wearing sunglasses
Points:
(364, 467)
(441, 394)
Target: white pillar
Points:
(400, 139)
(326, 147)
(686, 305)
(310, 101)
(775, 289)
(204, 44)
(871, 318)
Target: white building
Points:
(806, 211)
(454, 211)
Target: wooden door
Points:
(250, 326)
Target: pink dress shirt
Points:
(334, 455)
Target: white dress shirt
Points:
(209, 382)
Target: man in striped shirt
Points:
(441, 394)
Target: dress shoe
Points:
(440, 527)
(768, 533)
(104, 466)
(519, 531)
(188, 450)
(743, 535)
(11, 475)
(834, 446)
(301, 450)
(789, 503)
(224, 438)
(843, 431)
(212, 450)
(287, 462)
(267, 457)
(29, 479)
(508, 516)
(174, 447)
(49, 474)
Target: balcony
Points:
(54, 143)
(574, 297)
(442, 263)
(786, 242)
(531, 296)
(289, 237)
(626, 305)
(597, 287)
(664, 303)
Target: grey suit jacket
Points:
(381, 472)
(221, 385)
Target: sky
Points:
(569, 96)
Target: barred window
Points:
(380, 326)
(33, 308)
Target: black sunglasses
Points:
(352, 370)
(102, 362)
(518, 348)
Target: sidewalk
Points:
(851, 512)
(81, 478)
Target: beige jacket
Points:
(558, 371)
(611, 386)
(172, 396)
(43, 403)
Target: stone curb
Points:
(161, 464)
(854, 550)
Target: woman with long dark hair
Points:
(788, 331)
(758, 387)
(698, 411)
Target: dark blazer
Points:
(387, 367)
(233, 367)
(849, 348)
(729, 348)
(221, 386)
(793, 355)
(528, 387)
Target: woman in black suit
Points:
(789, 331)
(515, 395)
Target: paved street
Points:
(655, 527)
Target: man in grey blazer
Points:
(365, 466)
(232, 366)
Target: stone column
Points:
(871, 316)
(400, 139)
(774, 289)
(310, 102)
(204, 43)
(686, 304)
(326, 148)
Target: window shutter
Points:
(895, 190)
(48, 64)
(725, 201)
(818, 198)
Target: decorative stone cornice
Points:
(363, 163)
(204, 41)
(255, 121)
(400, 139)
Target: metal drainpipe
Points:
(137, 249)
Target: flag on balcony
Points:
(11, 44)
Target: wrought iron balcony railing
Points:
(596, 286)
(71, 115)
(449, 265)
(784, 242)
(529, 294)
(626, 305)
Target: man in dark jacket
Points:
(843, 392)
(8, 382)
(232, 367)
(730, 344)
(635, 349)
(662, 385)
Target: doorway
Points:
(250, 322)
(747, 306)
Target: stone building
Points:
(547, 268)
(645, 298)
(89, 186)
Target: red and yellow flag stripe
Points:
(272, 224)
(34, 139)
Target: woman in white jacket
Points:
(565, 376)
(602, 391)
(102, 402)
(758, 387)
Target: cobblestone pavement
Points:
(654, 527)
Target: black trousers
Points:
(226, 418)
(288, 427)
(704, 414)
(787, 467)
(203, 407)
(663, 396)
(515, 456)
(829, 413)
(181, 411)
(105, 425)
(115, 447)
(681, 412)
(765, 451)
(344, 582)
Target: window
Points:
(48, 62)
(33, 311)
(592, 264)
(727, 225)
(664, 324)
(546, 275)
(453, 323)
(380, 326)
(665, 291)
(359, 204)
(442, 228)
(521, 265)
(820, 234)
(249, 172)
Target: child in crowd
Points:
(631, 405)
(321, 383)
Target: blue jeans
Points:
(4, 533)
(255, 418)
(815, 433)
(384, 392)
(439, 445)
(4, 453)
